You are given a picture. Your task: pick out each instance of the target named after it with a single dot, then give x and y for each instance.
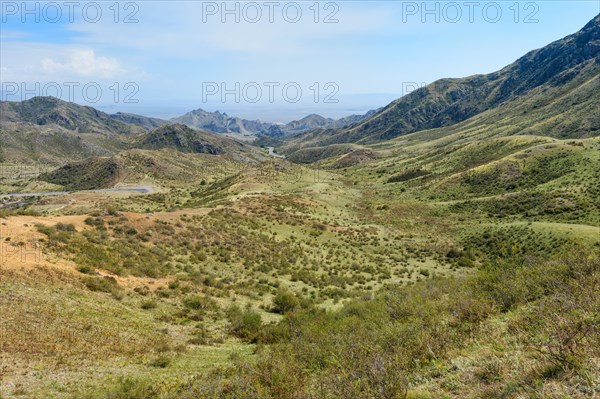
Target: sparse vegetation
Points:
(446, 247)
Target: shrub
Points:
(161, 361)
(244, 324)
(150, 304)
(284, 301)
(201, 336)
(65, 227)
(101, 284)
(85, 269)
(197, 302)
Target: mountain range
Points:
(548, 92)
(51, 131)
(444, 246)
(218, 122)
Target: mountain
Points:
(312, 121)
(351, 119)
(184, 139)
(218, 122)
(51, 131)
(554, 87)
(45, 111)
(24, 143)
(139, 120)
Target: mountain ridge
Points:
(221, 122)
(535, 77)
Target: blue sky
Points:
(163, 58)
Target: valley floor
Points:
(113, 294)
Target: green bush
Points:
(150, 304)
(197, 302)
(101, 284)
(244, 324)
(85, 269)
(284, 301)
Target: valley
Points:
(443, 246)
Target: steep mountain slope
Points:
(532, 156)
(558, 81)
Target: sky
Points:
(269, 60)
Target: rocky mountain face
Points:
(541, 78)
(312, 121)
(218, 122)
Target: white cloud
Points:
(46, 62)
(83, 63)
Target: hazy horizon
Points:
(155, 59)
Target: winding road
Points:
(272, 153)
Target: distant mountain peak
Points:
(53, 111)
(221, 122)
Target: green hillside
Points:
(548, 92)
(445, 247)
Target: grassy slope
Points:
(221, 232)
(327, 236)
(237, 239)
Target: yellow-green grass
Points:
(61, 340)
